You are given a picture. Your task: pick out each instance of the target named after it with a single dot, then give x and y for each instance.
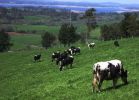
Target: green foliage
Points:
(126, 28)
(4, 41)
(111, 32)
(67, 34)
(129, 25)
(48, 39)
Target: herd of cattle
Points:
(108, 70)
(65, 58)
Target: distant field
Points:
(24, 40)
(52, 29)
(37, 28)
(22, 79)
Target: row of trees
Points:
(128, 27)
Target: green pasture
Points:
(23, 79)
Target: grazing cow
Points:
(55, 55)
(61, 57)
(91, 45)
(65, 62)
(73, 50)
(116, 43)
(109, 70)
(37, 57)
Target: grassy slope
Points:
(21, 78)
(42, 28)
(22, 41)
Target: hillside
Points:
(22, 79)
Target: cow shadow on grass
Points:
(111, 88)
(119, 86)
(38, 61)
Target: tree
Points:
(67, 34)
(129, 24)
(4, 41)
(91, 23)
(47, 40)
(111, 32)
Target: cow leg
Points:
(99, 85)
(61, 68)
(94, 83)
(114, 83)
(71, 65)
(57, 62)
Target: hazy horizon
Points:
(101, 1)
(94, 1)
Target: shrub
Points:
(47, 40)
(4, 41)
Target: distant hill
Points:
(74, 6)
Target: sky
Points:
(117, 1)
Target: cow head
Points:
(124, 76)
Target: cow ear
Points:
(126, 71)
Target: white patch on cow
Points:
(71, 56)
(103, 65)
(116, 63)
(53, 54)
(71, 51)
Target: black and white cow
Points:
(65, 62)
(74, 50)
(109, 70)
(37, 57)
(91, 45)
(55, 55)
(116, 43)
(61, 57)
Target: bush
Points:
(47, 40)
(111, 32)
(4, 41)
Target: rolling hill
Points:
(23, 79)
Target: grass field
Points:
(23, 79)
(40, 29)
(22, 41)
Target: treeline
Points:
(17, 15)
(127, 27)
